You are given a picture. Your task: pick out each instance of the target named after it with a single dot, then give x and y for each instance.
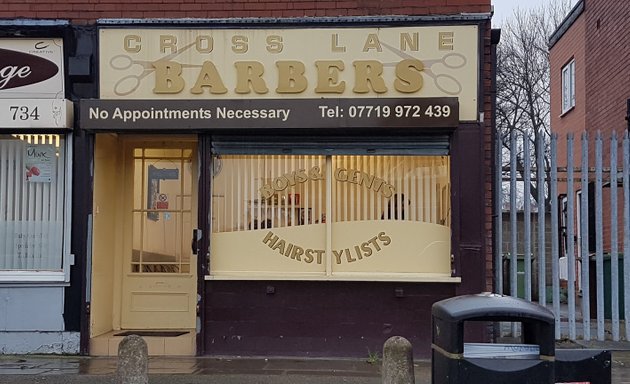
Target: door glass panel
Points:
(162, 210)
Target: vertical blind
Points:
(412, 188)
(32, 195)
(237, 201)
(419, 188)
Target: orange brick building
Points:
(593, 96)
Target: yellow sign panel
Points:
(361, 248)
(396, 62)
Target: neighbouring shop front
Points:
(281, 190)
(35, 196)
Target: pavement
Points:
(53, 369)
(176, 370)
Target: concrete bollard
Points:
(133, 361)
(397, 361)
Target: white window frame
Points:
(568, 86)
(47, 276)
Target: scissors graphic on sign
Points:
(444, 82)
(130, 83)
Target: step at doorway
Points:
(159, 342)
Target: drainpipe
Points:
(495, 36)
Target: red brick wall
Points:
(571, 46)
(488, 161)
(608, 65)
(600, 44)
(86, 11)
(607, 82)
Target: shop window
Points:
(568, 86)
(32, 206)
(328, 217)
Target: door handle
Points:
(197, 234)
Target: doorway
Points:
(144, 272)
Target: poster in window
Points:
(40, 161)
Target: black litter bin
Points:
(451, 364)
(583, 366)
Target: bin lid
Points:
(490, 306)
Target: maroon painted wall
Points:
(317, 318)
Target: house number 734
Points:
(23, 112)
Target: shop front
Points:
(35, 196)
(285, 191)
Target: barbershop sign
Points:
(292, 64)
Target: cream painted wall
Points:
(106, 247)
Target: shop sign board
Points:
(36, 113)
(408, 62)
(266, 113)
(31, 68)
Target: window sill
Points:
(346, 276)
(564, 113)
(32, 277)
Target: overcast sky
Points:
(503, 9)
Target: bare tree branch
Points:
(523, 83)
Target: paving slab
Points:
(230, 370)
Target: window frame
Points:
(567, 79)
(61, 276)
(231, 148)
